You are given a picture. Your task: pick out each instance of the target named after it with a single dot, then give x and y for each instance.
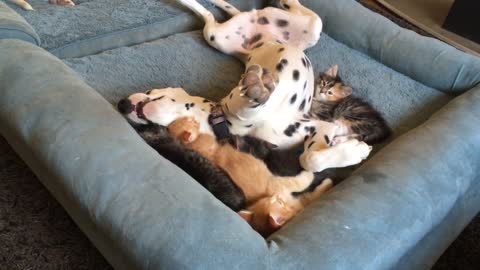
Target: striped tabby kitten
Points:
(332, 102)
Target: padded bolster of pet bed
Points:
(402, 208)
(424, 59)
(13, 25)
(139, 209)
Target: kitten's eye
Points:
(330, 92)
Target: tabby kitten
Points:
(203, 171)
(332, 102)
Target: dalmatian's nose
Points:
(125, 106)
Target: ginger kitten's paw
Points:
(257, 84)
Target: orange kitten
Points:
(268, 196)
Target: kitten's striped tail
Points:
(23, 4)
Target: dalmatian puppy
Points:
(274, 95)
(25, 5)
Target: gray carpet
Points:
(35, 231)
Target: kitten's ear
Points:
(247, 215)
(186, 137)
(270, 146)
(346, 91)
(332, 71)
(275, 221)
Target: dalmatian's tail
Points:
(23, 4)
(200, 10)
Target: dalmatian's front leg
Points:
(319, 155)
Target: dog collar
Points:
(218, 122)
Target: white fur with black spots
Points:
(275, 92)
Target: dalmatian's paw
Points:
(257, 84)
(354, 151)
(62, 2)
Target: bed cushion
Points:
(13, 25)
(97, 25)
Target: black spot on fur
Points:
(229, 123)
(172, 99)
(187, 105)
(296, 75)
(279, 67)
(302, 105)
(304, 120)
(286, 35)
(284, 61)
(309, 99)
(256, 38)
(297, 124)
(212, 38)
(305, 85)
(310, 145)
(263, 21)
(281, 23)
(293, 99)
(314, 134)
(305, 138)
(304, 62)
(327, 140)
(258, 45)
(290, 130)
(227, 37)
(158, 98)
(281, 49)
(305, 31)
(192, 105)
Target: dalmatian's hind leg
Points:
(225, 6)
(257, 84)
(311, 33)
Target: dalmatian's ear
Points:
(332, 71)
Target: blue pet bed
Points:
(400, 209)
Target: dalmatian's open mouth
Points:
(139, 109)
